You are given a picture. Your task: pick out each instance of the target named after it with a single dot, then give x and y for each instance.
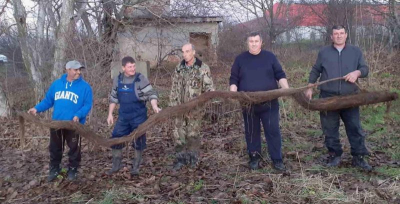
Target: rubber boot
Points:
(136, 162)
(116, 161)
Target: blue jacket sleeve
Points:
(362, 65)
(278, 71)
(316, 69)
(48, 100)
(87, 104)
(234, 79)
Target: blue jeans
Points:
(330, 122)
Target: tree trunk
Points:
(64, 31)
(81, 6)
(394, 24)
(4, 106)
(109, 35)
(27, 54)
(40, 32)
(52, 18)
(111, 26)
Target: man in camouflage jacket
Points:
(191, 78)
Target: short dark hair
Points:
(338, 27)
(254, 34)
(127, 59)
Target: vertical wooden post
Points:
(22, 132)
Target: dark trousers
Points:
(125, 127)
(56, 147)
(330, 122)
(268, 114)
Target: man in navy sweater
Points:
(259, 70)
(71, 98)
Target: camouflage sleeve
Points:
(208, 84)
(174, 94)
(114, 91)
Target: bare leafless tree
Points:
(271, 17)
(27, 52)
(63, 33)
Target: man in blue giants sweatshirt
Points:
(71, 98)
(259, 70)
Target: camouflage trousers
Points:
(186, 134)
(187, 139)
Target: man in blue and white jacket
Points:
(71, 98)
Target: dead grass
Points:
(222, 175)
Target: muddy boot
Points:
(254, 160)
(278, 165)
(72, 173)
(116, 161)
(181, 159)
(53, 173)
(333, 161)
(193, 158)
(358, 161)
(193, 149)
(136, 162)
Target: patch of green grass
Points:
(245, 200)
(357, 173)
(79, 197)
(214, 202)
(293, 146)
(198, 185)
(114, 195)
(109, 197)
(374, 117)
(340, 196)
(386, 75)
(389, 171)
(316, 167)
(313, 132)
(394, 152)
(382, 127)
(305, 77)
(308, 191)
(308, 158)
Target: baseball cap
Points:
(74, 65)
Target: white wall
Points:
(144, 44)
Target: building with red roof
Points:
(295, 21)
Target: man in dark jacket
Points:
(260, 70)
(338, 60)
(71, 98)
